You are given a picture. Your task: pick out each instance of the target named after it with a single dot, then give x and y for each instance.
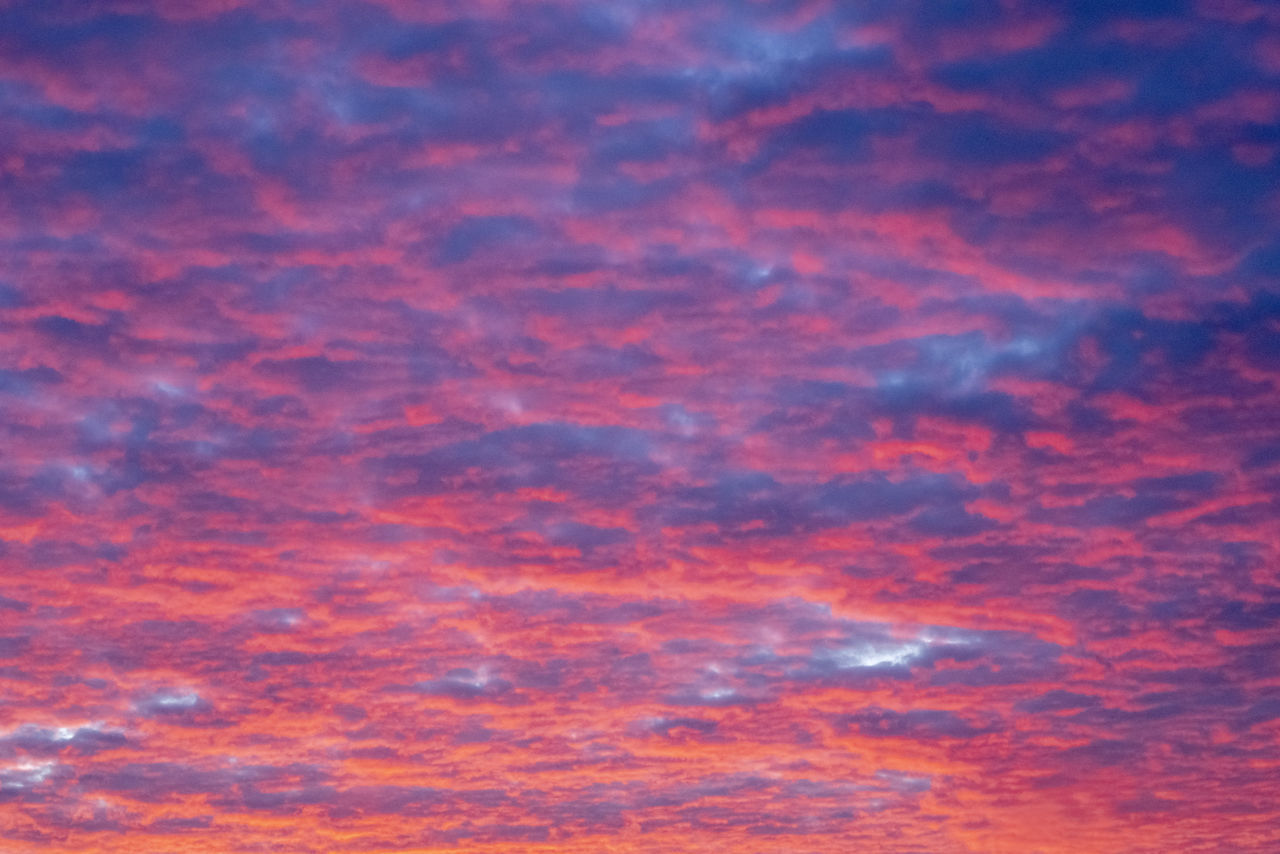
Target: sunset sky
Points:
(726, 427)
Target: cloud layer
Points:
(639, 426)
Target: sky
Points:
(761, 426)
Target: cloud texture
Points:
(752, 425)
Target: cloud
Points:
(774, 426)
